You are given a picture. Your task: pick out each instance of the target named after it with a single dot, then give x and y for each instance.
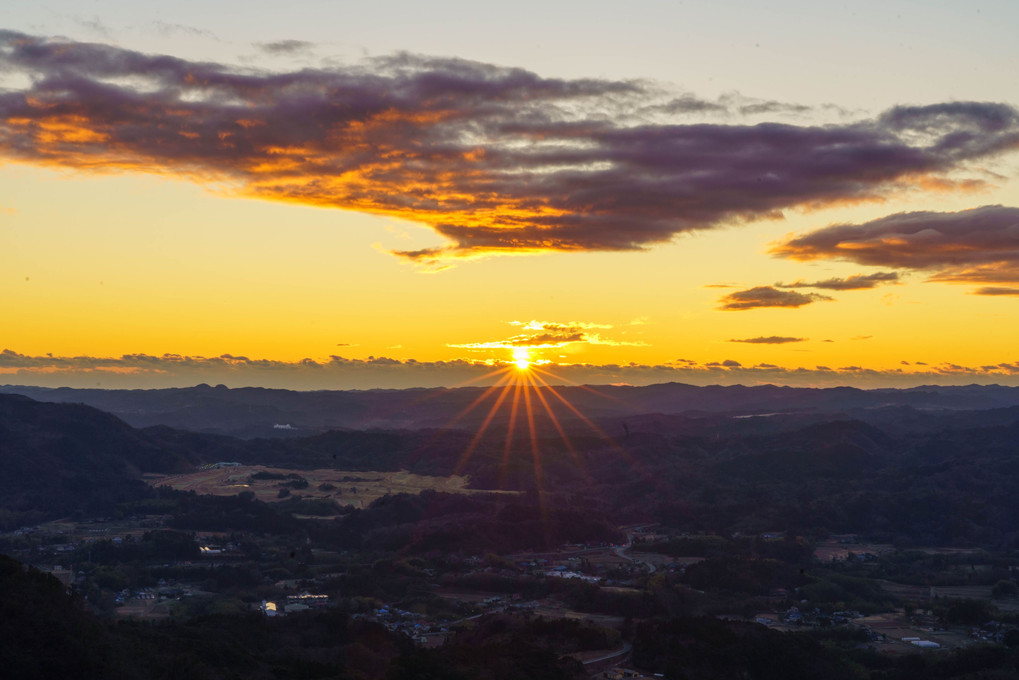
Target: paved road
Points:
(621, 551)
(612, 655)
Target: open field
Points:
(348, 488)
(472, 596)
(661, 561)
(826, 551)
(552, 609)
(139, 608)
(896, 626)
(909, 592)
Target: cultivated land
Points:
(826, 551)
(358, 488)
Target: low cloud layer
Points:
(495, 160)
(978, 246)
(173, 370)
(766, 296)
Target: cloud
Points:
(94, 25)
(769, 340)
(285, 46)
(996, 290)
(175, 370)
(551, 334)
(854, 282)
(168, 29)
(495, 160)
(688, 103)
(557, 326)
(732, 104)
(980, 245)
(766, 296)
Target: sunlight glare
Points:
(522, 358)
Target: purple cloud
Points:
(495, 160)
(980, 245)
(766, 296)
(854, 282)
(769, 340)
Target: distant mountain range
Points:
(250, 412)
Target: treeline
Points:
(429, 522)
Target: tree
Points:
(1005, 590)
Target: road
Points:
(620, 550)
(619, 653)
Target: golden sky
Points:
(169, 217)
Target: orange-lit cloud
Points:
(495, 160)
(970, 246)
(551, 335)
(767, 296)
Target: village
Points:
(139, 567)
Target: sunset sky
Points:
(336, 195)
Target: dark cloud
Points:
(688, 103)
(730, 104)
(855, 282)
(995, 290)
(494, 159)
(971, 246)
(770, 340)
(766, 296)
(285, 46)
(770, 107)
(547, 339)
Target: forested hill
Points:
(941, 480)
(256, 412)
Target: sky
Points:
(341, 195)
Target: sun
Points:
(522, 358)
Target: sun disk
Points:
(522, 358)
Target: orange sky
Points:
(407, 222)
